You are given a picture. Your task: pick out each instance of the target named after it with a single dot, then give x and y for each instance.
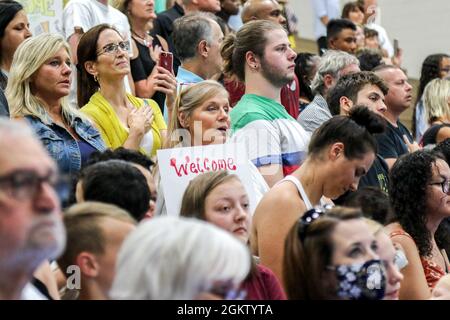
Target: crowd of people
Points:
(350, 205)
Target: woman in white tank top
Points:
(341, 151)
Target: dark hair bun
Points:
(362, 115)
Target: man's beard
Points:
(274, 75)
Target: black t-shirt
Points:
(390, 143)
(429, 137)
(377, 176)
(163, 26)
(142, 66)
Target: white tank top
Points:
(302, 192)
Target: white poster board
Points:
(44, 15)
(178, 166)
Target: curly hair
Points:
(444, 148)
(409, 180)
(430, 70)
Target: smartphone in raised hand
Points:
(166, 60)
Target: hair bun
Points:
(226, 51)
(373, 122)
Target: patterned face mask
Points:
(361, 281)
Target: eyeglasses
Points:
(113, 48)
(309, 217)
(25, 184)
(445, 185)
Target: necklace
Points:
(143, 39)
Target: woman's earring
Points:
(95, 78)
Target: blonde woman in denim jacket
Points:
(38, 84)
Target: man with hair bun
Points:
(270, 10)
(261, 56)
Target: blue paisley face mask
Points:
(361, 281)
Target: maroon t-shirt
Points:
(264, 285)
(290, 95)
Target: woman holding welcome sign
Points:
(200, 118)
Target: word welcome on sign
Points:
(198, 166)
(179, 166)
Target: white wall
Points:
(422, 27)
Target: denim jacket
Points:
(62, 147)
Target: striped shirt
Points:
(269, 133)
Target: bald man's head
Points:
(262, 10)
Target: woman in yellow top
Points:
(122, 119)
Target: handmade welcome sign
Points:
(197, 165)
(178, 166)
